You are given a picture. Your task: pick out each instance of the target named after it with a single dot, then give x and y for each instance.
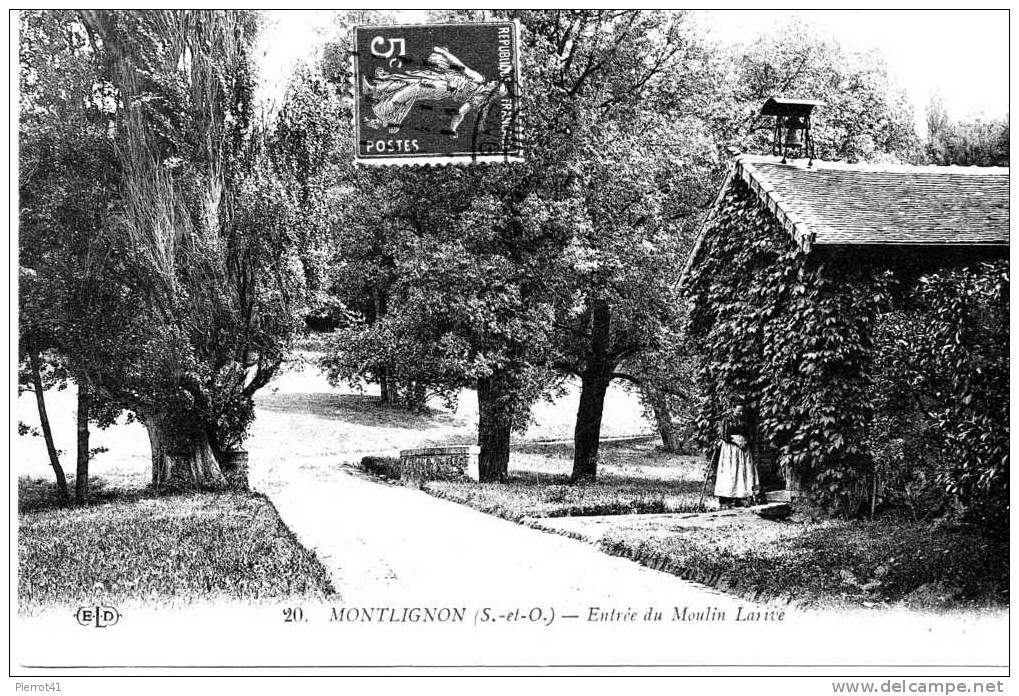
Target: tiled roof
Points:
(832, 203)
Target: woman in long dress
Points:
(736, 481)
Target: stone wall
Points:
(439, 463)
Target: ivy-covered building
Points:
(813, 286)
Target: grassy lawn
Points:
(835, 563)
(829, 563)
(633, 477)
(144, 548)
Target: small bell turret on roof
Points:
(792, 135)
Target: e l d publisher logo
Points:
(97, 616)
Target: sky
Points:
(962, 54)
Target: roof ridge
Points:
(886, 205)
(796, 226)
(875, 167)
(705, 221)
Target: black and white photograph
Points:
(510, 343)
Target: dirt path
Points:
(394, 544)
(402, 545)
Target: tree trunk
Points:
(190, 464)
(594, 383)
(494, 425)
(380, 309)
(587, 432)
(44, 423)
(663, 418)
(419, 399)
(81, 468)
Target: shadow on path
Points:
(356, 409)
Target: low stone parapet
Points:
(439, 463)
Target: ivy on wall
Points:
(852, 365)
(787, 335)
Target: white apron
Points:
(737, 474)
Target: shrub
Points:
(386, 467)
(409, 373)
(940, 438)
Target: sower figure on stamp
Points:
(444, 79)
(736, 481)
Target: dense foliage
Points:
(849, 369)
(165, 224)
(866, 116)
(205, 228)
(981, 142)
(509, 278)
(940, 437)
(787, 336)
(73, 314)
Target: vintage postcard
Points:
(703, 374)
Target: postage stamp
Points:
(437, 94)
